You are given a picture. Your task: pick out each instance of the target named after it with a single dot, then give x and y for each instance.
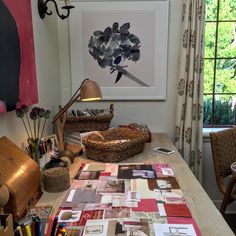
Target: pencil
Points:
(49, 228)
(54, 225)
(28, 230)
(19, 230)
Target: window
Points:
(220, 64)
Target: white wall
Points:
(158, 115)
(47, 67)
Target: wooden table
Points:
(208, 218)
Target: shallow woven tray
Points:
(89, 123)
(106, 147)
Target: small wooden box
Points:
(21, 175)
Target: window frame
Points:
(215, 58)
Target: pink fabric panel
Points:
(21, 11)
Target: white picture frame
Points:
(148, 21)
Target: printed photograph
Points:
(162, 170)
(96, 206)
(117, 212)
(96, 228)
(174, 229)
(86, 175)
(69, 216)
(131, 226)
(174, 196)
(112, 186)
(74, 230)
(90, 215)
(135, 172)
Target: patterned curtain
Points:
(189, 119)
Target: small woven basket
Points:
(89, 123)
(56, 179)
(114, 145)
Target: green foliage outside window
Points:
(225, 64)
(224, 112)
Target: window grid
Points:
(215, 58)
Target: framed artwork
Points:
(18, 84)
(121, 45)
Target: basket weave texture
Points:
(56, 179)
(89, 123)
(114, 145)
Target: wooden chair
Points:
(223, 146)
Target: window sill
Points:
(206, 131)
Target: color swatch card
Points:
(174, 210)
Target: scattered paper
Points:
(167, 172)
(174, 229)
(133, 196)
(71, 195)
(69, 216)
(163, 184)
(96, 228)
(148, 205)
(161, 209)
(96, 167)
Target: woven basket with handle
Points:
(114, 145)
(89, 123)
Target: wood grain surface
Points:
(208, 218)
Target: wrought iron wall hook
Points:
(43, 9)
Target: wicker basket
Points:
(89, 123)
(114, 145)
(56, 179)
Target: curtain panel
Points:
(189, 113)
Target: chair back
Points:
(223, 146)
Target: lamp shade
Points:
(90, 91)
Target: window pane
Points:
(210, 32)
(227, 10)
(226, 40)
(208, 75)
(224, 112)
(207, 109)
(211, 9)
(225, 76)
(220, 103)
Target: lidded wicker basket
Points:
(89, 123)
(114, 145)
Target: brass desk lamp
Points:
(88, 91)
